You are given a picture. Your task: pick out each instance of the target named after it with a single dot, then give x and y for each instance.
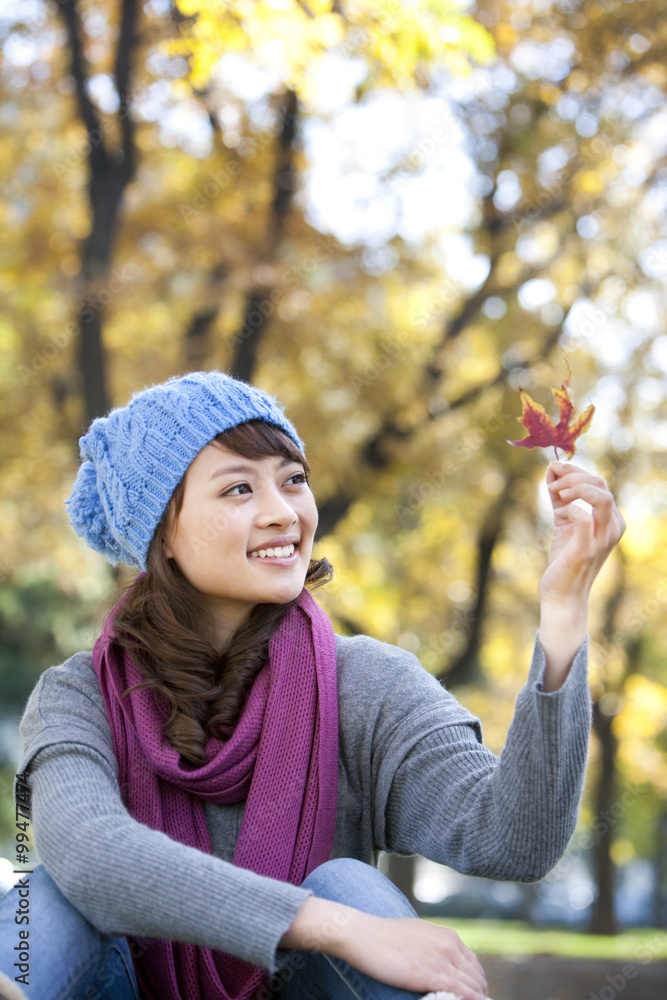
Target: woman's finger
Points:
(560, 468)
(558, 486)
(556, 470)
(470, 961)
(461, 983)
(583, 526)
(460, 964)
(595, 492)
(605, 512)
(600, 499)
(593, 535)
(472, 975)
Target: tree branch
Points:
(201, 323)
(258, 304)
(78, 69)
(284, 181)
(373, 454)
(465, 667)
(123, 70)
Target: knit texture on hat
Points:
(134, 458)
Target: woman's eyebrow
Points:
(228, 470)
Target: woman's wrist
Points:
(563, 626)
(321, 925)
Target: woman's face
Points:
(233, 508)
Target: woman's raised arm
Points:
(582, 540)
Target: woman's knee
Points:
(339, 875)
(68, 955)
(347, 880)
(42, 897)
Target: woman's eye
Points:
(230, 491)
(299, 478)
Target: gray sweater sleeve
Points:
(442, 794)
(123, 876)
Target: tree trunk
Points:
(198, 333)
(111, 169)
(603, 920)
(259, 305)
(659, 908)
(401, 871)
(249, 336)
(465, 668)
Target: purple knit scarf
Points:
(282, 758)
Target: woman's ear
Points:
(166, 548)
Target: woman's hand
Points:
(580, 545)
(581, 540)
(401, 951)
(414, 955)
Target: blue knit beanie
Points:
(134, 458)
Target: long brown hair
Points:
(165, 626)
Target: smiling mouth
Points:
(277, 552)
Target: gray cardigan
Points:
(413, 777)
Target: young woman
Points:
(210, 788)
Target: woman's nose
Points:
(276, 509)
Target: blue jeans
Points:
(68, 958)
(74, 961)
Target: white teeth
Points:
(276, 553)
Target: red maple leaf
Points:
(542, 431)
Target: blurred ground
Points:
(550, 977)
